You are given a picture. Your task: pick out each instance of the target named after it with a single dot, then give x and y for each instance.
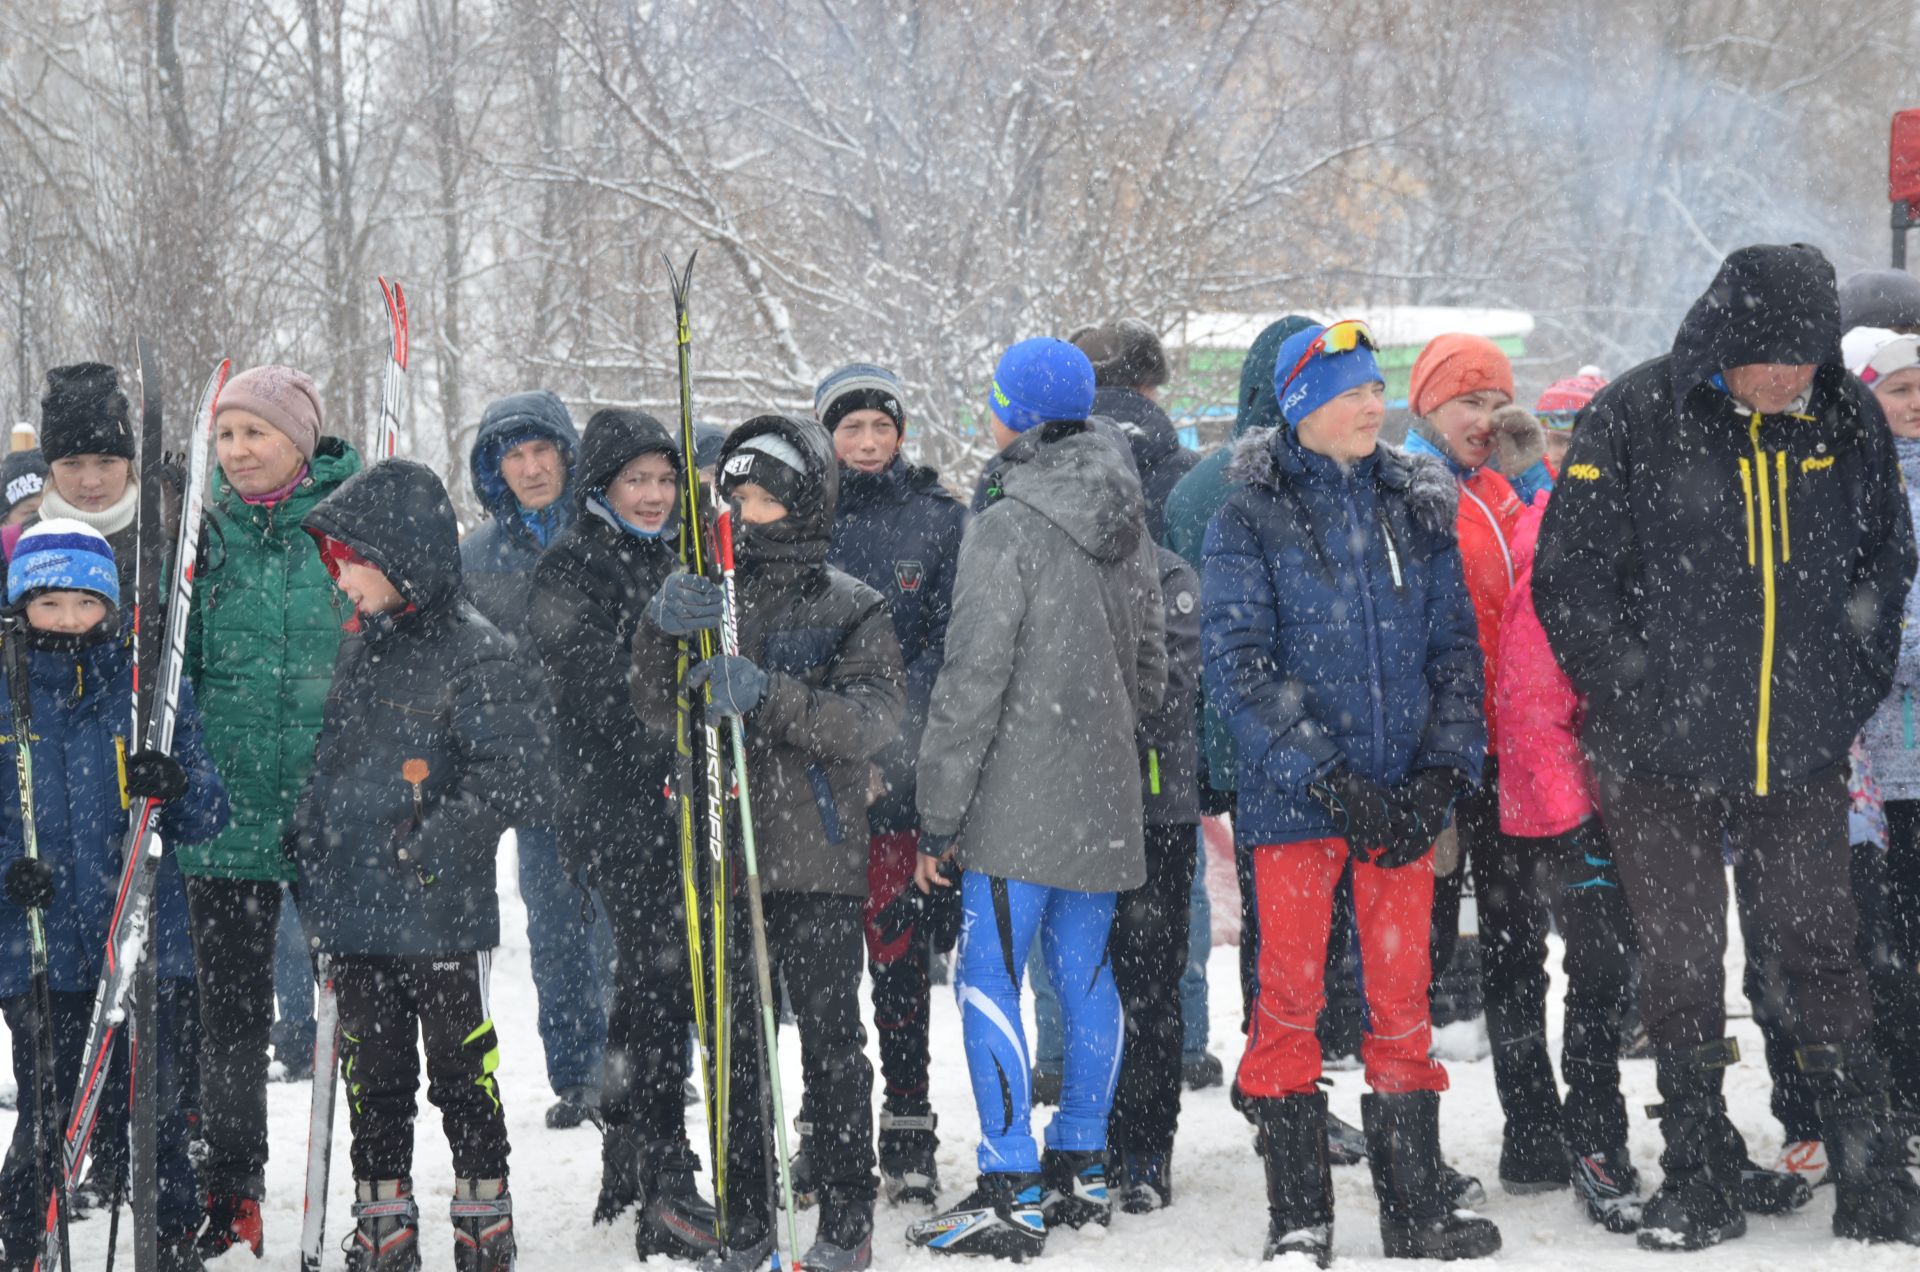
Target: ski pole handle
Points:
(723, 539)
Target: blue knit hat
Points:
(1039, 380)
(1325, 377)
(61, 555)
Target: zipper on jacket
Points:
(1506, 557)
(1393, 555)
(1786, 540)
(1153, 770)
(1764, 721)
(1372, 619)
(120, 762)
(1746, 486)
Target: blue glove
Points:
(738, 685)
(685, 604)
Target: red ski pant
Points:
(1293, 900)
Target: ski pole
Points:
(756, 914)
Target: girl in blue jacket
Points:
(63, 594)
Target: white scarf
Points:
(109, 520)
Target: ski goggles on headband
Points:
(1340, 337)
(1557, 421)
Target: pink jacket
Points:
(1546, 787)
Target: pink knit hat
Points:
(283, 397)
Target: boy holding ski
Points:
(63, 602)
(818, 683)
(432, 736)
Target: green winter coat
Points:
(266, 624)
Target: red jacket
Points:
(1489, 511)
(1546, 787)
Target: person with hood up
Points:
(1339, 645)
(1129, 370)
(1887, 299)
(896, 529)
(1721, 573)
(433, 744)
(261, 641)
(63, 601)
(616, 825)
(522, 469)
(1030, 780)
(818, 685)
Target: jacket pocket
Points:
(823, 800)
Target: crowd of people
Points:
(1584, 657)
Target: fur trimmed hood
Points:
(1263, 455)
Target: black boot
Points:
(1533, 1158)
(844, 1242)
(1144, 1177)
(1000, 1218)
(909, 1173)
(620, 1148)
(675, 1220)
(1698, 1204)
(1878, 1199)
(1609, 1187)
(1292, 1143)
(1417, 1219)
(1075, 1189)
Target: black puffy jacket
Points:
(1156, 448)
(590, 593)
(1725, 586)
(388, 865)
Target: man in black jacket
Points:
(1721, 571)
(1129, 369)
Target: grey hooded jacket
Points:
(1054, 650)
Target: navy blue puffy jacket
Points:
(1336, 626)
(81, 704)
(498, 557)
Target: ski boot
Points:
(1292, 1142)
(676, 1220)
(1000, 1218)
(1533, 1159)
(620, 1149)
(1146, 1180)
(844, 1242)
(1609, 1187)
(1418, 1217)
(232, 1220)
(1346, 1146)
(1700, 1202)
(1074, 1189)
(805, 1187)
(1878, 1198)
(1804, 1159)
(482, 1216)
(909, 1175)
(748, 1250)
(386, 1234)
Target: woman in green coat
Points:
(265, 627)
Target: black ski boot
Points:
(386, 1234)
(844, 1241)
(909, 1173)
(675, 1220)
(1145, 1178)
(1292, 1142)
(1609, 1187)
(1418, 1219)
(1000, 1218)
(1699, 1203)
(805, 1187)
(748, 1250)
(1878, 1198)
(620, 1149)
(1533, 1158)
(1075, 1189)
(482, 1216)
(1761, 1191)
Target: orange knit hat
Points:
(1455, 365)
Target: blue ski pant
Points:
(571, 949)
(999, 920)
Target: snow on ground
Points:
(1218, 1219)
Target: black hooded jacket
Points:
(390, 866)
(1156, 447)
(590, 592)
(834, 695)
(1725, 586)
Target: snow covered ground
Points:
(1218, 1219)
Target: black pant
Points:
(1793, 889)
(646, 1055)
(1148, 948)
(235, 925)
(817, 951)
(387, 1005)
(22, 1204)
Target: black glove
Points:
(685, 604)
(1362, 813)
(738, 685)
(928, 911)
(942, 922)
(30, 883)
(1420, 807)
(155, 775)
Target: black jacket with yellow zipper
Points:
(1726, 587)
